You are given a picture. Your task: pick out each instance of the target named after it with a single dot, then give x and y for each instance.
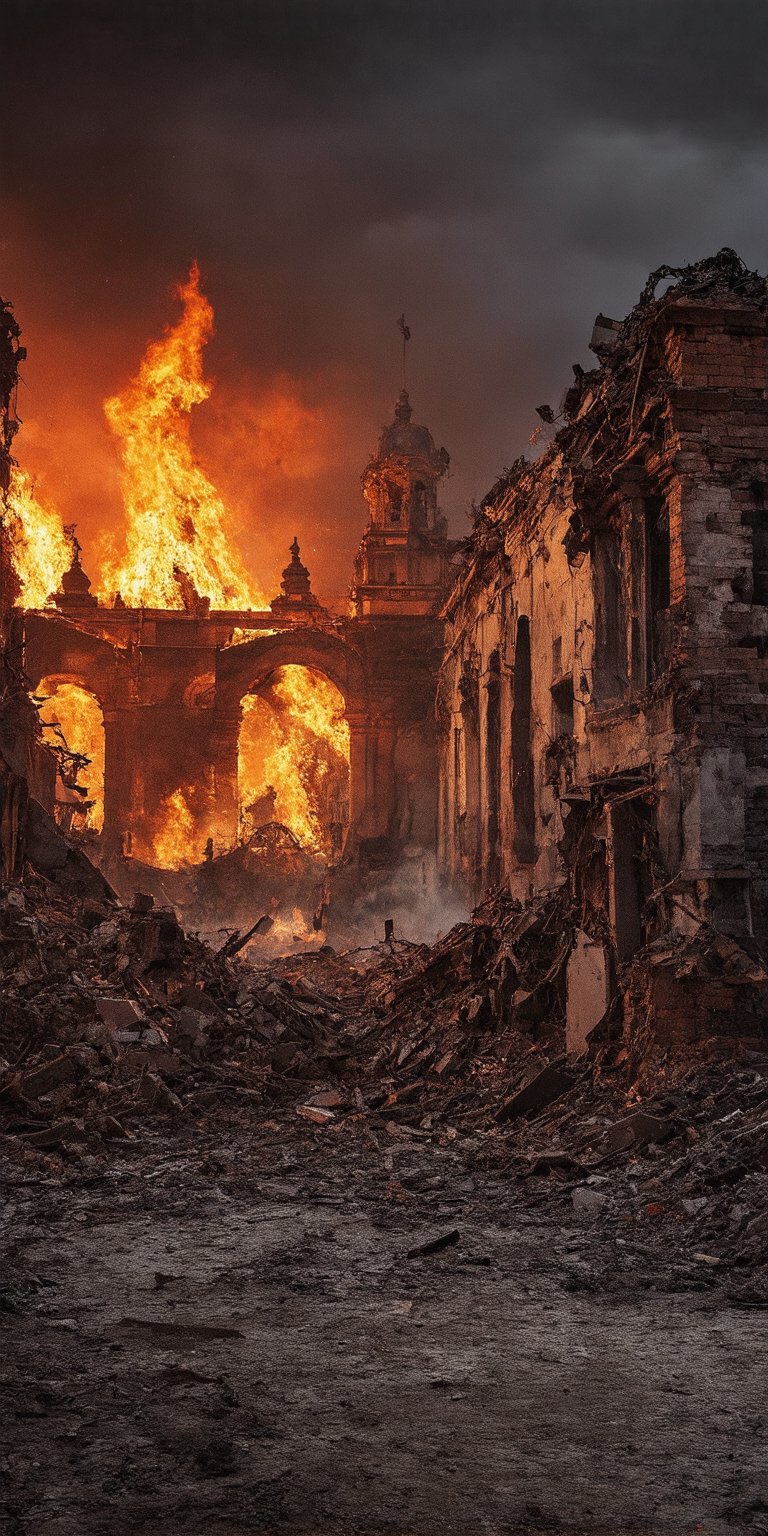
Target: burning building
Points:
(603, 698)
(579, 705)
(208, 711)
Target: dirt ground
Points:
(229, 1335)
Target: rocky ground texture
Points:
(345, 1244)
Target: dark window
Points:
(493, 765)
(524, 829)
(633, 840)
(658, 582)
(758, 519)
(562, 707)
(610, 616)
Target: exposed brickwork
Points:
(636, 549)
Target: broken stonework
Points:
(603, 701)
(588, 991)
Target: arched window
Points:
(524, 820)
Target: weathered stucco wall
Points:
(603, 702)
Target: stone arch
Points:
(55, 648)
(246, 669)
(242, 669)
(200, 692)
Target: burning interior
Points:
(206, 724)
(73, 725)
(293, 760)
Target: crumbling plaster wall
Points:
(641, 565)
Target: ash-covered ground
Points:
(343, 1243)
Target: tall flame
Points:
(71, 717)
(39, 548)
(173, 843)
(299, 747)
(178, 533)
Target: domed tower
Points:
(296, 593)
(402, 563)
(75, 590)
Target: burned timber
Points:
(512, 1182)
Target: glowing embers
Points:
(178, 536)
(73, 724)
(293, 762)
(39, 548)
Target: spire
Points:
(296, 586)
(75, 590)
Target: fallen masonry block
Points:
(156, 1094)
(328, 1099)
(119, 1012)
(153, 1059)
(50, 1075)
(315, 1113)
(638, 1129)
(588, 1202)
(549, 1084)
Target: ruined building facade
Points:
(603, 699)
(171, 683)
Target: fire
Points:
(178, 528)
(297, 744)
(174, 843)
(71, 718)
(40, 550)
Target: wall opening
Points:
(658, 583)
(610, 666)
(73, 723)
(631, 830)
(757, 517)
(562, 706)
(524, 823)
(469, 801)
(293, 760)
(493, 767)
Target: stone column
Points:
(121, 765)
(371, 775)
(225, 736)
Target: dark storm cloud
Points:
(500, 170)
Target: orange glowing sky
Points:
(498, 172)
(275, 449)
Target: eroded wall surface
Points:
(603, 702)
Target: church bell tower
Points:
(401, 568)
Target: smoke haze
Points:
(497, 171)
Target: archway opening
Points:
(293, 760)
(73, 725)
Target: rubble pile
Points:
(109, 1015)
(113, 1018)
